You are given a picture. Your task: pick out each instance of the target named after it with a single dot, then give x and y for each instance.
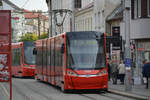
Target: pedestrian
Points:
(146, 72)
(144, 78)
(114, 72)
(122, 70)
(132, 70)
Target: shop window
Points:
(147, 55)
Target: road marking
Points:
(5, 90)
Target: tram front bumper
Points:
(96, 82)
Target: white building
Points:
(17, 19)
(63, 4)
(102, 8)
(84, 18)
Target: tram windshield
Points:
(86, 54)
(29, 58)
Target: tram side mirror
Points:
(62, 48)
(34, 51)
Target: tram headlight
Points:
(102, 73)
(71, 73)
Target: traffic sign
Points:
(128, 62)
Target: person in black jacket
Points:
(146, 72)
(108, 69)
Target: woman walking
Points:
(122, 70)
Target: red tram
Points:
(73, 61)
(23, 60)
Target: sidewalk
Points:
(138, 91)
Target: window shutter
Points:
(144, 9)
(77, 3)
(132, 9)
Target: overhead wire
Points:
(25, 3)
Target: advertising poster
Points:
(5, 49)
(4, 68)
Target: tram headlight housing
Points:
(103, 72)
(71, 73)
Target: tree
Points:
(32, 37)
(44, 35)
(29, 37)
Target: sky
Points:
(31, 4)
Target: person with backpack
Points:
(146, 72)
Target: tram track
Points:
(89, 96)
(32, 88)
(26, 89)
(3, 92)
(106, 95)
(18, 90)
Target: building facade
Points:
(17, 19)
(113, 22)
(84, 18)
(35, 22)
(102, 8)
(56, 19)
(140, 31)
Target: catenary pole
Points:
(128, 82)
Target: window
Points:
(139, 8)
(148, 7)
(147, 55)
(95, 21)
(77, 3)
(99, 20)
(16, 57)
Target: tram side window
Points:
(59, 58)
(48, 56)
(13, 57)
(38, 58)
(44, 60)
(50, 53)
(58, 54)
(52, 57)
(16, 57)
(56, 57)
(101, 55)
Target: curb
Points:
(128, 95)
